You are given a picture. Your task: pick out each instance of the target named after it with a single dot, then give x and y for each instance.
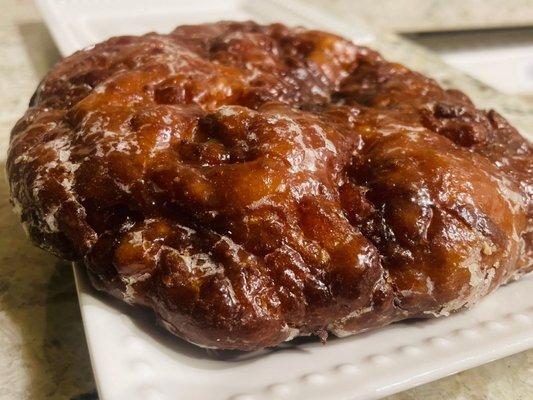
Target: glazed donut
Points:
(253, 183)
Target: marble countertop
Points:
(435, 15)
(44, 354)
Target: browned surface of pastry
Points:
(252, 183)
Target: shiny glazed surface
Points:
(254, 183)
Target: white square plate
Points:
(135, 360)
(502, 59)
(76, 24)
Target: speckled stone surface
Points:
(434, 15)
(43, 352)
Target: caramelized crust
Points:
(253, 183)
